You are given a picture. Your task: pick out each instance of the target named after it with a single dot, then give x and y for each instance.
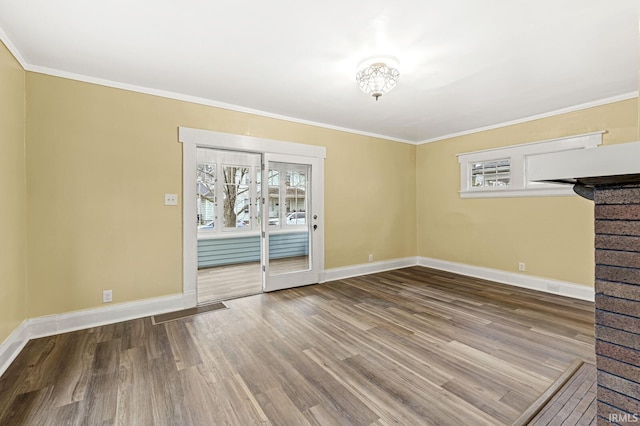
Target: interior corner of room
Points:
(84, 209)
(89, 237)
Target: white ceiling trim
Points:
(212, 103)
(177, 96)
(13, 49)
(209, 102)
(600, 102)
(198, 100)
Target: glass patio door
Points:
(292, 223)
(229, 228)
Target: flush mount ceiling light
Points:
(376, 76)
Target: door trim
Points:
(193, 138)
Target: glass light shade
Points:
(377, 76)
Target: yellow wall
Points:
(552, 235)
(101, 159)
(12, 188)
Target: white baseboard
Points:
(70, 321)
(78, 320)
(369, 268)
(548, 285)
(61, 323)
(12, 345)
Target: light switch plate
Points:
(170, 199)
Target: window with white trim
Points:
(288, 188)
(502, 172)
(226, 193)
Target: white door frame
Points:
(194, 138)
(314, 225)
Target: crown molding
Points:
(178, 96)
(600, 102)
(13, 49)
(209, 102)
(200, 101)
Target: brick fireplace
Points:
(617, 301)
(609, 175)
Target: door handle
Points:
(315, 227)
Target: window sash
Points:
(490, 173)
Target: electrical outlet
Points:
(521, 267)
(370, 258)
(107, 296)
(170, 199)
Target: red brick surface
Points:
(618, 227)
(618, 242)
(620, 290)
(619, 306)
(620, 195)
(619, 337)
(617, 273)
(621, 322)
(617, 302)
(617, 368)
(618, 212)
(618, 258)
(616, 399)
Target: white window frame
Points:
(221, 159)
(520, 185)
(282, 194)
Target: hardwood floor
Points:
(411, 346)
(229, 282)
(244, 279)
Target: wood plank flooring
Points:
(229, 282)
(412, 346)
(244, 279)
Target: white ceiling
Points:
(464, 64)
